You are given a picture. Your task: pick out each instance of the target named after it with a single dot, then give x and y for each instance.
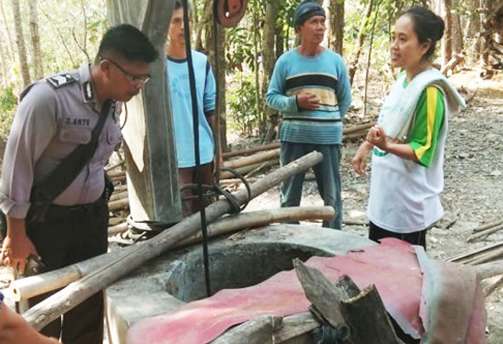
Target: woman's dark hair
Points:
(128, 42)
(427, 26)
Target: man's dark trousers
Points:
(326, 173)
(67, 236)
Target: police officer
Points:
(54, 117)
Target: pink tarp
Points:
(392, 266)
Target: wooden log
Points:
(356, 135)
(120, 163)
(35, 285)
(252, 159)
(358, 128)
(245, 169)
(117, 175)
(276, 145)
(119, 204)
(488, 256)
(117, 229)
(487, 226)
(484, 233)
(368, 319)
(231, 181)
(489, 270)
(469, 257)
(324, 296)
(489, 289)
(252, 150)
(134, 256)
(118, 195)
(233, 223)
(269, 330)
(257, 170)
(456, 60)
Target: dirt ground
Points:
(473, 179)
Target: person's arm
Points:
(210, 91)
(343, 88)
(377, 137)
(429, 120)
(359, 161)
(275, 96)
(15, 330)
(32, 130)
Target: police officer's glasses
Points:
(135, 79)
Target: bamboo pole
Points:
(120, 163)
(118, 195)
(117, 175)
(248, 168)
(248, 151)
(119, 204)
(252, 150)
(488, 270)
(35, 285)
(253, 159)
(483, 233)
(134, 256)
(487, 226)
(117, 229)
(468, 257)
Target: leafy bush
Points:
(242, 103)
(7, 107)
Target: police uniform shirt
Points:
(55, 116)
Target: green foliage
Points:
(239, 49)
(241, 103)
(7, 107)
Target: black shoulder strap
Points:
(42, 195)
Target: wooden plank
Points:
(324, 296)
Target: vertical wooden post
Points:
(150, 149)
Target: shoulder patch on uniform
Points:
(60, 80)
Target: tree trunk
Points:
(369, 60)
(447, 41)
(268, 58)
(471, 29)
(280, 35)
(259, 106)
(361, 37)
(336, 24)
(3, 61)
(457, 34)
(23, 60)
(9, 36)
(204, 23)
(485, 32)
(35, 40)
(219, 49)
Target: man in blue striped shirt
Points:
(310, 87)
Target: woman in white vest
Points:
(409, 141)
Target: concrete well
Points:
(236, 261)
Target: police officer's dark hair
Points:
(127, 42)
(427, 26)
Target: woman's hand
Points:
(377, 137)
(360, 159)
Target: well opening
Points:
(239, 267)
